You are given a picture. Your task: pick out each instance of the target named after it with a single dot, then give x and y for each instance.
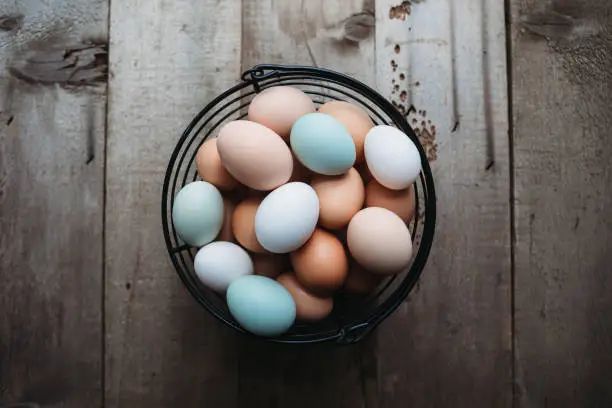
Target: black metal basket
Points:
(352, 318)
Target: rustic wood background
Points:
(512, 101)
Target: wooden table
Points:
(512, 102)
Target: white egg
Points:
(220, 263)
(392, 157)
(287, 217)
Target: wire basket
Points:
(352, 317)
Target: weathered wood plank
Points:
(444, 64)
(562, 78)
(51, 202)
(336, 35)
(168, 59)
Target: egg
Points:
(243, 224)
(197, 213)
(210, 169)
(379, 240)
(261, 305)
(287, 217)
(269, 265)
(340, 197)
(308, 307)
(354, 119)
(360, 281)
(401, 202)
(255, 155)
(219, 263)
(226, 233)
(392, 157)
(279, 107)
(321, 265)
(322, 144)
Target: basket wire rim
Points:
(266, 75)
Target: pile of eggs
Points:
(295, 204)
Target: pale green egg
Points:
(261, 305)
(197, 213)
(323, 144)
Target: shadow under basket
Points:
(353, 317)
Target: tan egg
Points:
(243, 224)
(321, 263)
(226, 233)
(360, 281)
(255, 155)
(269, 265)
(307, 306)
(340, 197)
(379, 240)
(364, 172)
(279, 107)
(401, 202)
(354, 119)
(210, 168)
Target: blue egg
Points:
(323, 144)
(261, 305)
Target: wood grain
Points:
(309, 33)
(444, 65)
(168, 59)
(562, 54)
(338, 35)
(51, 206)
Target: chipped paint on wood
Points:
(401, 11)
(436, 78)
(399, 44)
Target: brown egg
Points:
(210, 168)
(226, 233)
(340, 197)
(279, 107)
(379, 240)
(243, 224)
(269, 265)
(255, 155)
(401, 202)
(321, 263)
(307, 306)
(360, 281)
(354, 119)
